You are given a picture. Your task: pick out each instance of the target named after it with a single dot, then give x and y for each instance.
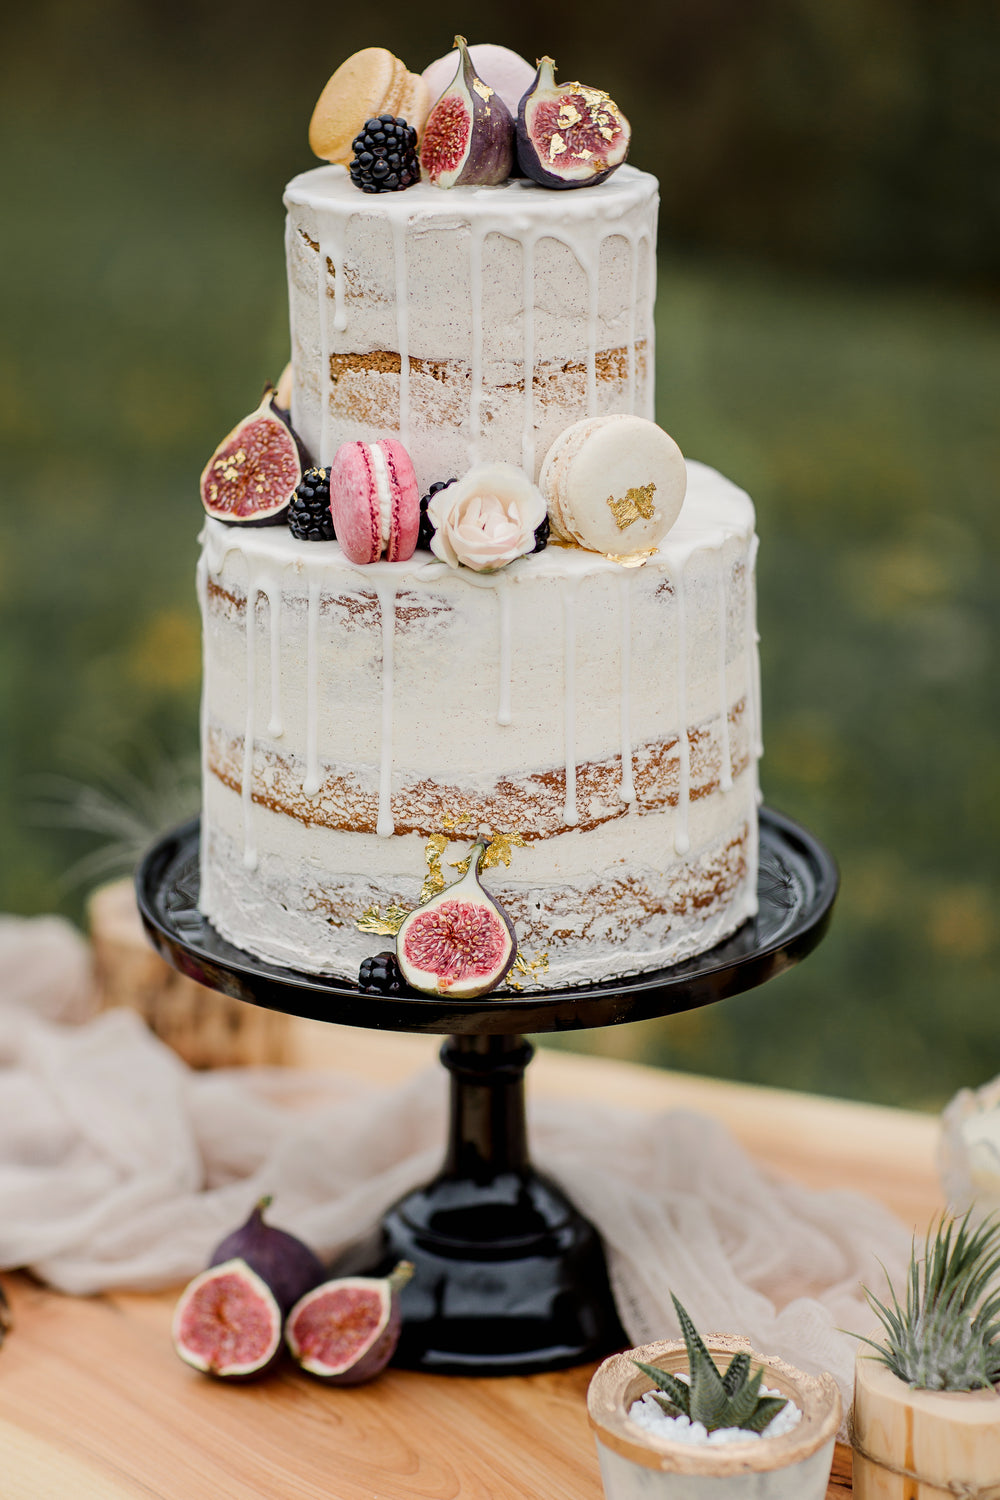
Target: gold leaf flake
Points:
(633, 504)
(531, 968)
(568, 115)
(372, 920)
(498, 850)
(434, 880)
(583, 155)
(556, 146)
(631, 559)
(482, 89)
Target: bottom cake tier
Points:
(363, 724)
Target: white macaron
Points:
(614, 484)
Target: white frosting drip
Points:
(528, 355)
(476, 371)
(503, 600)
(275, 728)
(399, 228)
(570, 814)
(682, 841)
(625, 604)
(246, 791)
(313, 781)
(754, 634)
(726, 773)
(387, 608)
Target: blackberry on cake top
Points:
(309, 517)
(385, 156)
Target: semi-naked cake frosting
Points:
(363, 723)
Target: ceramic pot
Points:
(638, 1465)
(922, 1445)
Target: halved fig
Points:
(468, 139)
(253, 473)
(461, 943)
(570, 135)
(346, 1330)
(228, 1323)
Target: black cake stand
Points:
(510, 1278)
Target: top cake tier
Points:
(474, 324)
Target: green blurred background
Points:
(828, 335)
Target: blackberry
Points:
(379, 975)
(385, 156)
(541, 536)
(426, 525)
(309, 516)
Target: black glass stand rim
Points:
(797, 886)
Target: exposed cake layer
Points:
(473, 324)
(607, 716)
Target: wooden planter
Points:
(922, 1445)
(637, 1465)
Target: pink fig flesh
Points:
(570, 135)
(346, 1330)
(253, 473)
(461, 943)
(227, 1323)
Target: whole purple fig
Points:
(569, 135)
(280, 1259)
(468, 139)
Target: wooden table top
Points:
(95, 1405)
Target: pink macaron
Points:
(375, 501)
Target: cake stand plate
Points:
(510, 1278)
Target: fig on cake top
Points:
(569, 135)
(468, 139)
(508, 73)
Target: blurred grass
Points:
(142, 305)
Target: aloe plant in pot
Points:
(926, 1416)
(710, 1419)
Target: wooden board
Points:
(94, 1404)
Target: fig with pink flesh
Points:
(253, 473)
(506, 71)
(228, 1320)
(461, 943)
(346, 1330)
(468, 139)
(570, 135)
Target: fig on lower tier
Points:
(461, 943)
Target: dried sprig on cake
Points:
(709, 1396)
(946, 1337)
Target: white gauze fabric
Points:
(120, 1167)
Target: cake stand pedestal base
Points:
(509, 1277)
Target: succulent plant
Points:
(715, 1399)
(947, 1336)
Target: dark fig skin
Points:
(591, 116)
(468, 140)
(281, 1260)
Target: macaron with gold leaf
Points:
(614, 484)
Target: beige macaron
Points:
(614, 484)
(370, 82)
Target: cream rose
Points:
(486, 519)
